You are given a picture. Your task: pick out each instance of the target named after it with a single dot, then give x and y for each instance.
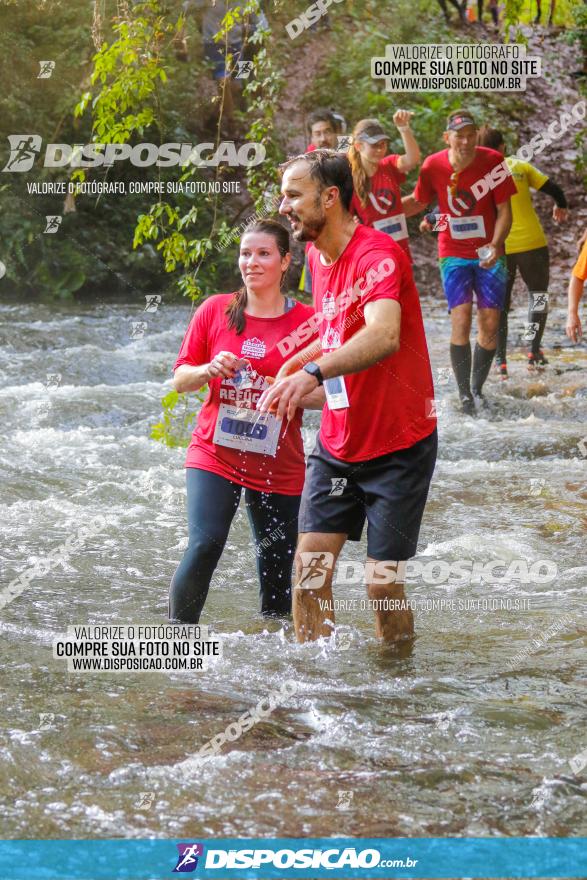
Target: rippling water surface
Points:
(449, 737)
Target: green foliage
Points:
(524, 12)
(182, 238)
(90, 252)
(402, 23)
(177, 420)
(262, 93)
(128, 71)
(514, 13)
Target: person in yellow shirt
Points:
(576, 286)
(526, 250)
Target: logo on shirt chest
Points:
(461, 203)
(383, 200)
(244, 394)
(254, 348)
(329, 306)
(331, 338)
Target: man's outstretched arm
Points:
(377, 340)
(411, 206)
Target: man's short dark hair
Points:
(490, 137)
(328, 168)
(322, 115)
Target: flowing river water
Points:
(469, 732)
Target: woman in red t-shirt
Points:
(377, 199)
(236, 344)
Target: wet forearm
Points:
(367, 347)
(307, 354)
(189, 378)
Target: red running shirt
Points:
(383, 209)
(389, 404)
(218, 443)
(470, 202)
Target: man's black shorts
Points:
(389, 491)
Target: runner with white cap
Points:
(377, 176)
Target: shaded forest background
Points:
(119, 76)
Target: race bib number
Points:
(335, 389)
(395, 226)
(247, 430)
(467, 227)
(336, 396)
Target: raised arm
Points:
(411, 158)
(377, 339)
(295, 363)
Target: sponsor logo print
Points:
(331, 339)
(253, 348)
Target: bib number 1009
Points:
(240, 428)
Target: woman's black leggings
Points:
(534, 268)
(212, 502)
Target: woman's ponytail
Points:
(360, 180)
(236, 311)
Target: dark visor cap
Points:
(458, 122)
(372, 134)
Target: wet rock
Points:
(537, 389)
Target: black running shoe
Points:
(536, 360)
(502, 370)
(479, 399)
(468, 405)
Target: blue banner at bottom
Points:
(304, 858)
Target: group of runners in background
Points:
(359, 354)
(502, 219)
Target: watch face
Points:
(314, 370)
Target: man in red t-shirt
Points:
(323, 128)
(376, 449)
(473, 186)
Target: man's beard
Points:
(310, 229)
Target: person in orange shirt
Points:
(576, 286)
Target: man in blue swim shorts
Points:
(473, 186)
